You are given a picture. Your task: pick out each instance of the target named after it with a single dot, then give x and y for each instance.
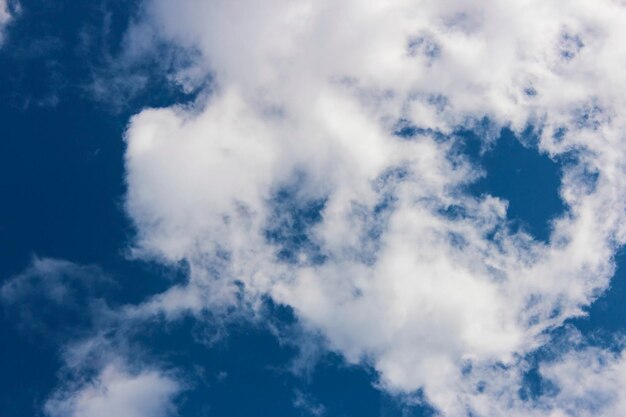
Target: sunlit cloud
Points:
(402, 269)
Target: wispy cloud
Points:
(307, 404)
(50, 289)
(62, 304)
(5, 17)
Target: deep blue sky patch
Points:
(527, 179)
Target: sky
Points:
(409, 208)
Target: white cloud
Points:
(98, 378)
(117, 391)
(4, 12)
(590, 382)
(5, 17)
(314, 90)
(576, 382)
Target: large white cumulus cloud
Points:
(310, 93)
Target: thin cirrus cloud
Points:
(52, 288)
(403, 268)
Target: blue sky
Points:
(312, 209)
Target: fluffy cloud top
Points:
(116, 391)
(402, 268)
